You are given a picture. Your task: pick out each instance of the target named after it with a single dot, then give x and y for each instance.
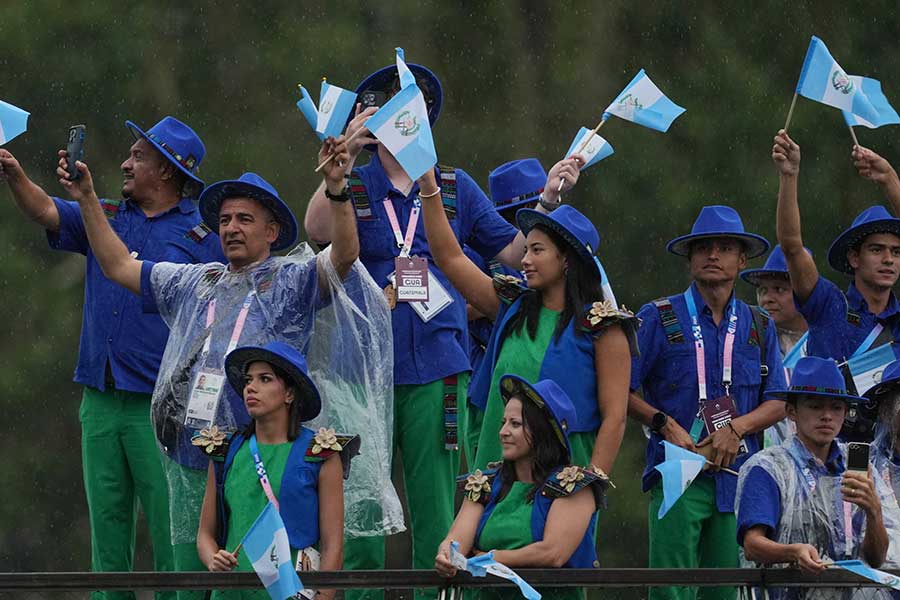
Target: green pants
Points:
(122, 468)
(470, 418)
(429, 472)
(692, 534)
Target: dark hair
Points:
(547, 453)
(293, 408)
(583, 286)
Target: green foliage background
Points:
(520, 77)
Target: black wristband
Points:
(342, 197)
(549, 206)
(658, 422)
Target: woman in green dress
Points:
(533, 509)
(276, 460)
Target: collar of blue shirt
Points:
(858, 303)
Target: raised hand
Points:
(786, 155)
(81, 189)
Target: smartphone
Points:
(75, 150)
(858, 457)
(374, 98)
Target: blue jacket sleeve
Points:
(71, 236)
(759, 504)
(482, 227)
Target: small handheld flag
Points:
(481, 565)
(267, 547)
(309, 110)
(871, 88)
(867, 368)
(864, 570)
(595, 150)
(13, 121)
(335, 105)
(678, 472)
(643, 103)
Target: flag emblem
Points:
(407, 124)
(326, 107)
(630, 103)
(841, 82)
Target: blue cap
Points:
(875, 219)
(719, 221)
(516, 183)
(178, 144)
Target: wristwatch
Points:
(342, 197)
(658, 422)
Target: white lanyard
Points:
(404, 243)
(698, 345)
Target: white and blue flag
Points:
(335, 105)
(864, 570)
(822, 79)
(643, 103)
(13, 121)
(868, 368)
(871, 89)
(402, 125)
(481, 565)
(596, 149)
(267, 547)
(309, 110)
(678, 472)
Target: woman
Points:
(559, 327)
(533, 510)
(300, 468)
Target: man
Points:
(431, 366)
(121, 347)
(253, 299)
(801, 502)
(843, 325)
(774, 294)
(705, 330)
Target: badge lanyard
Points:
(870, 339)
(404, 243)
(238, 324)
(261, 472)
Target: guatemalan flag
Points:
(864, 570)
(596, 150)
(678, 472)
(868, 368)
(335, 105)
(267, 547)
(402, 125)
(309, 110)
(13, 121)
(823, 80)
(871, 89)
(643, 103)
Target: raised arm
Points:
(31, 200)
(117, 264)
(802, 268)
(859, 488)
(476, 287)
(875, 168)
(344, 237)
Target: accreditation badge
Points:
(438, 300)
(718, 413)
(206, 389)
(411, 274)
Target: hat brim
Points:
(793, 395)
(212, 197)
(837, 253)
(237, 361)
(513, 385)
(886, 385)
(752, 276)
(517, 204)
(527, 218)
(138, 132)
(756, 245)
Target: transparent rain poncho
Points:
(813, 512)
(885, 458)
(342, 326)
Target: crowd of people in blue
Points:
(219, 377)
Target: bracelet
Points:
(342, 197)
(431, 195)
(549, 206)
(734, 431)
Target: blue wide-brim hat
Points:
(875, 219)
(249, 185)
(283, 356)
(383, 79)
(776, 265)
(516, 183)
(890, 380)
(575, 228)
(178, 144)
(719, 221)
(814, 376)
(547, 396)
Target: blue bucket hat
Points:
(286, 358)
(814, 376)
(776, 265)
(875, 219)
(383, 79)
(516, 183)
(575, 228)
(547, 396)
(890, 380)
(178, 144)
(249, 185)
(719, 221)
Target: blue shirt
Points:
(425, 352)
(668, 374)
(834, 334)
(114, 328)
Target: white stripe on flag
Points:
(840, 88)
(689, 470)
(326, 107)
(266, 566)
(643, 94)
(402, 127)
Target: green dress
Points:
(520, 355)
(246, 499)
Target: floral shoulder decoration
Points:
(574, 478)
(477, 486)
(509, 288)
(325, 439)
(212, 440)
(603, 314)
(326, 443)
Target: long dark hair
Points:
(547, 452)
(293, 408)
(583, 286)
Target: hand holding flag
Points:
(678, 472)
(13, 121)
(590, 146)
(267, 547)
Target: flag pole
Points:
(238, 548)
(584, 144)
(331, 156)
(731, 471)
(790, 112)
(853, 135)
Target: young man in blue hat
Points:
(844, 325)
(121, 346)
(774, 295)
(253, 299)
(705, 388)
(431, 365)
(803, 503)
